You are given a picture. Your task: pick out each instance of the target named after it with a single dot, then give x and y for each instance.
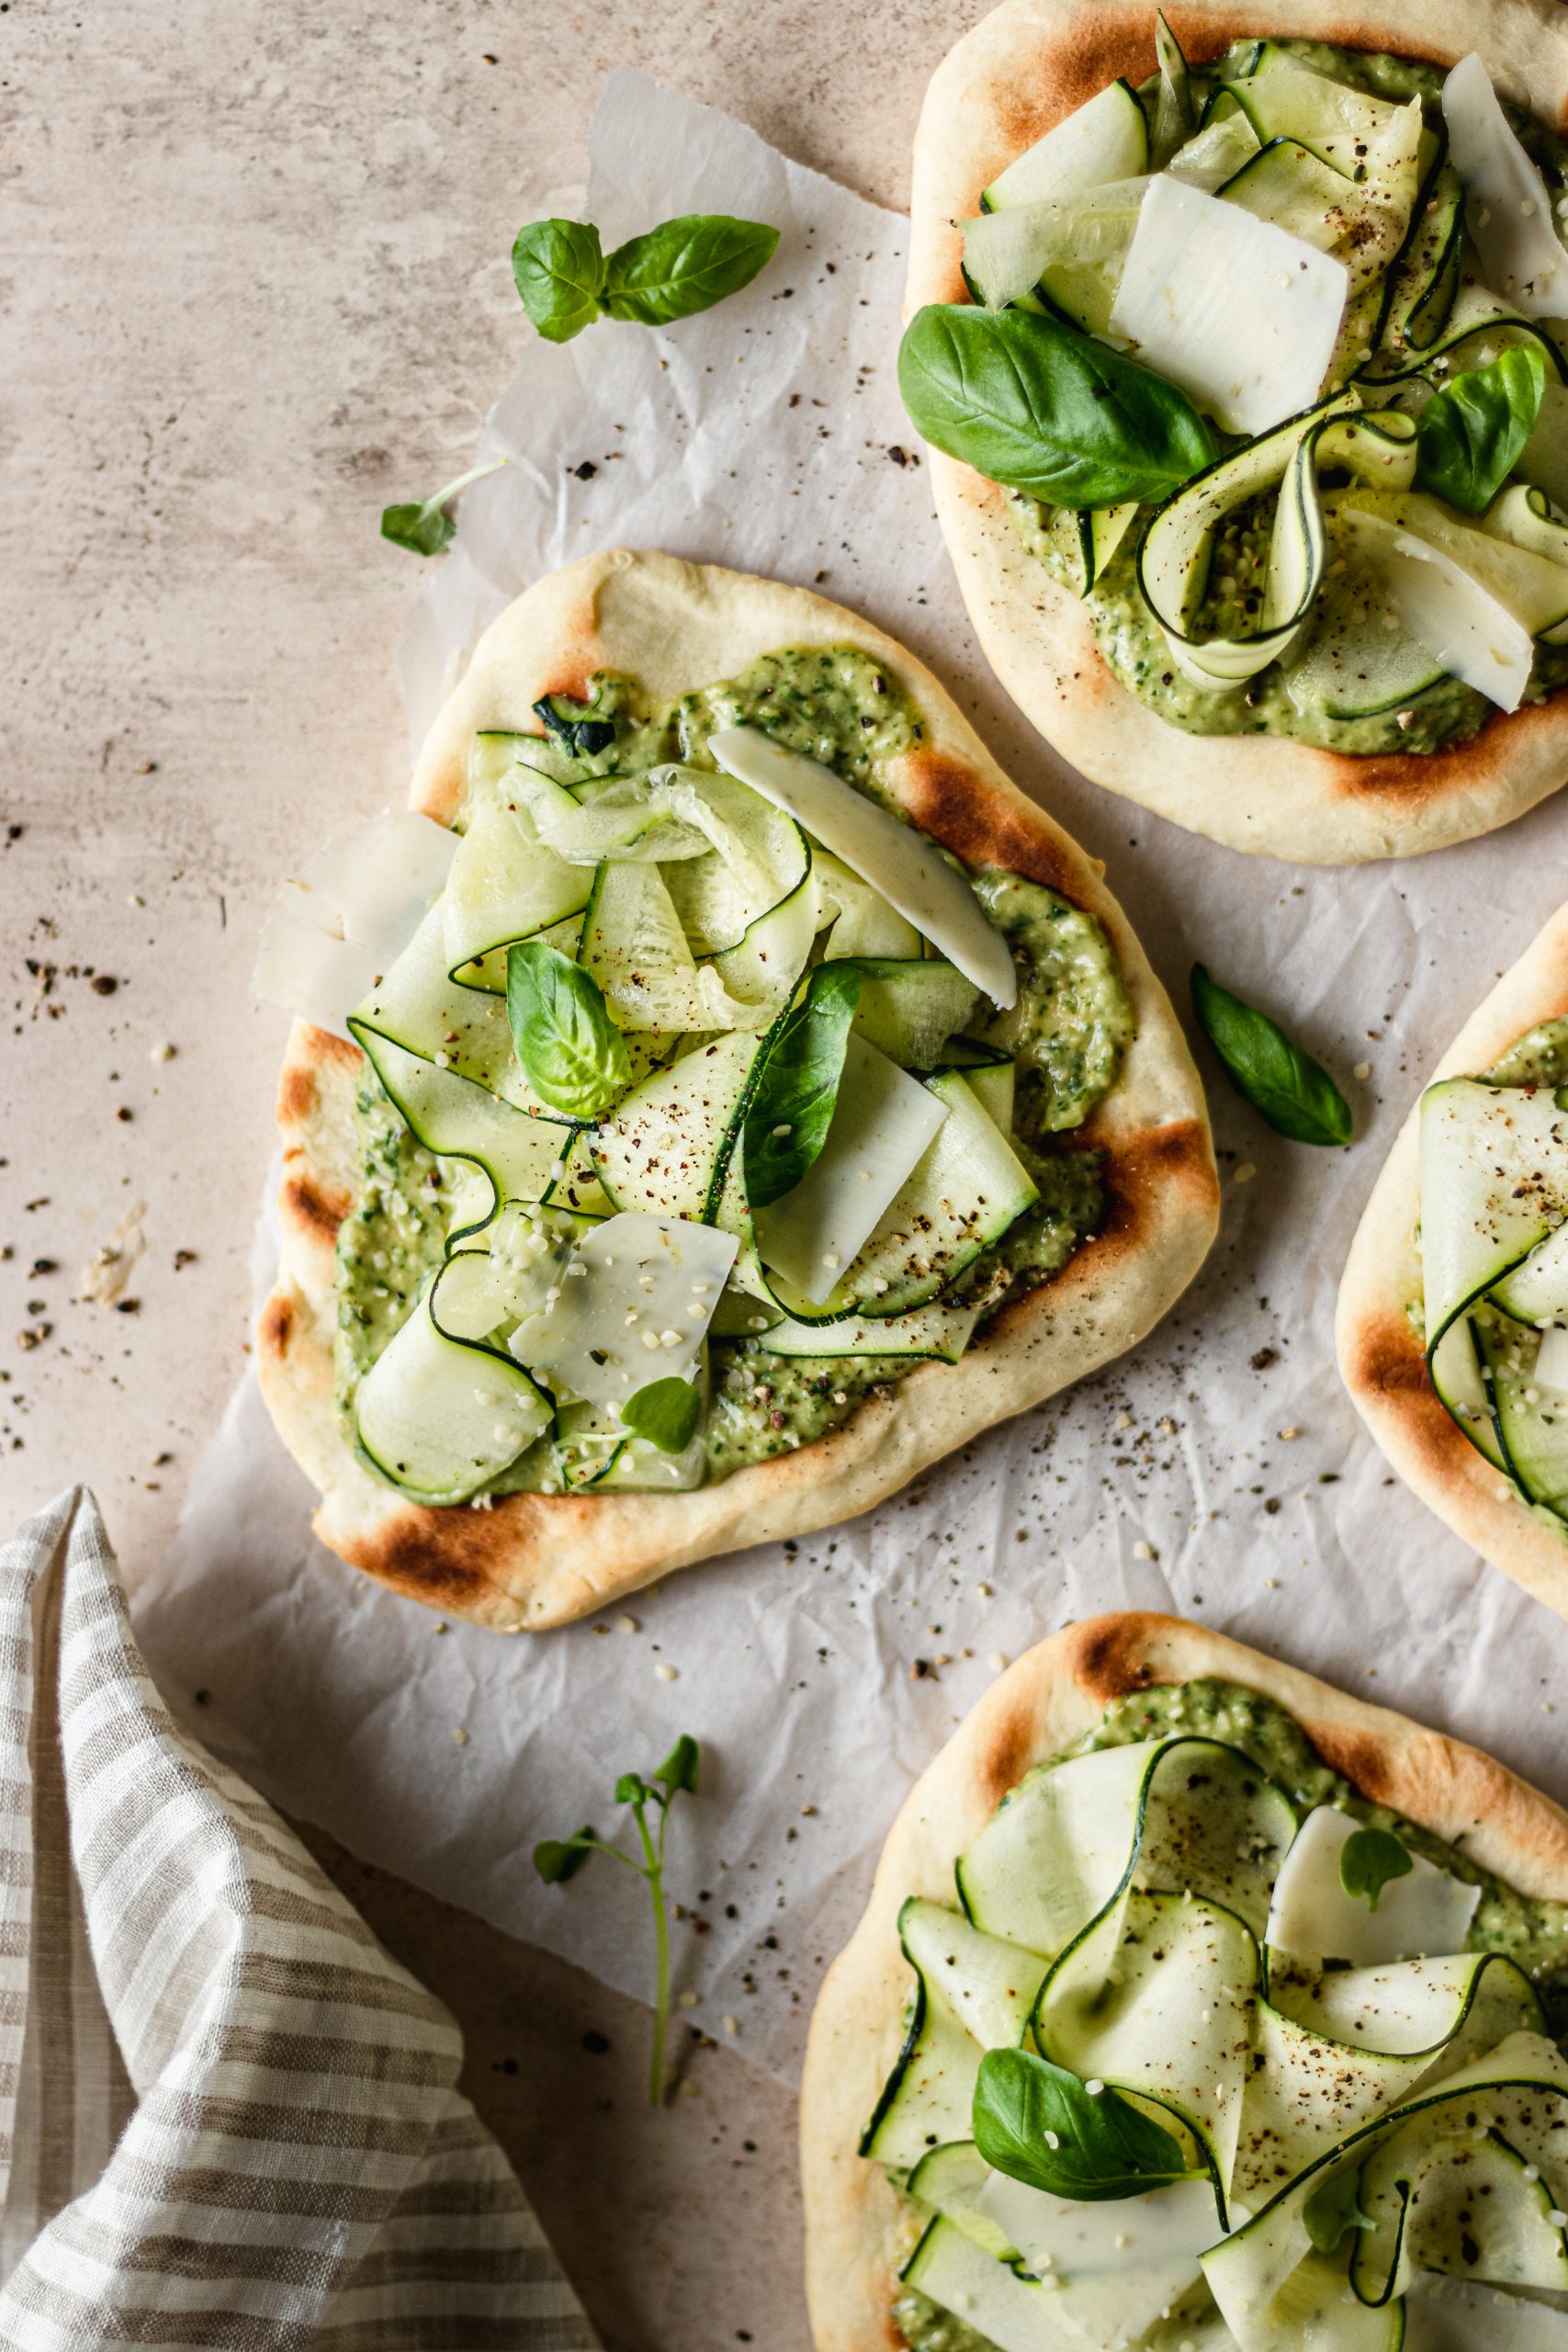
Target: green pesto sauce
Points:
(392, 1241)
(1529, 1930)
(1130, 639)
(1537, 1059)
(1073, 1021)
(1068, 1036)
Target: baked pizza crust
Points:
(1025, 66)
(857, 2232)
(1381, 1357)
(534, 1560)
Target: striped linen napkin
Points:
(228, 2119)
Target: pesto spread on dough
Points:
(1277, 588)
(685, 853)
(1265, 1781)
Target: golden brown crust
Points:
(1021, 69)
(856, 2230)
(1381, 1357)
(536, 1560)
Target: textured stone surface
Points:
(254, 286)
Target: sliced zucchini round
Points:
(1106, 138)
(441, 1416)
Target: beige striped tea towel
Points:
(228, 2119)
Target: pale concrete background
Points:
(254, 286)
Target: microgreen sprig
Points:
(425, 525)
(559, 1859)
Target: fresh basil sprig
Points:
(1332, 2208)
(565, 279)
(1035, 405)
(665, 1413)
(571, 1053)
(1469, 436)
(1040, 2124)
(559, 1859)
(1369, 1859)
(1294, 1093)
(792, 1108)
(426, 526)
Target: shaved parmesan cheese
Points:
(1426, 1913)
(633, 1305)
(350, 915)
(909, 870)
(308, 972)
(1507, 209)
(1237, 311)
(883, 1124)
(1447, 610)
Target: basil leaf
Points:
(426, 528)
(1038, 2123)
(1332, 2208)
(680, 1767)
(686, 266)
(1294, 1093)
(665, 1413)
(1368, 1859)
(559, 1859)
(1469, 436)
(559, 266)
(792, 1106)
(1037, 406)
(572, 1052)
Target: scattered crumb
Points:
(997, 1661)
(665, 1673)
(627, 1625)
(107, 1271)
(1245, 1173)
(459, 1737)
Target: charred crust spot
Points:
(338, 1052)
(1144, 1170)
(1362, 1756)
(312, 1208)
(1007, 1755)
(1110, 1660)
(956, 808)
(461, 1560)
(1385, 1358)
(297, 1094)
(1412, 778)
(276, 1325)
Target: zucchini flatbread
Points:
(741, 1096)
(1453, 1324)
(1239, 336)
(1196, 2005)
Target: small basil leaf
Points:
(792, 1107)
(1040, 2124)
(426, 528)
(1469, 436)
(1332, 2208)
(632, 1789)
(665, 1413)
(1294, 1093)
(559, 269)
(571, 1053)
(563, 719)
(423, 530)
(559, 1859)
(1035, 406)
(680, 1767)
(686, 266)
(1369, 1859)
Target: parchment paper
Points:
(1219, 1471)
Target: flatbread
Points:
(1025, 66)
(857, 2232)
(1381, 1357)
(534, 1560)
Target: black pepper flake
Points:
(585, 471)
(899, 456)
(104, 985)
(1264, 1358)
(596, 2045)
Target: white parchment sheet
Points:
(1219, 1470)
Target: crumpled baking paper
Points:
(1219, 1470)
